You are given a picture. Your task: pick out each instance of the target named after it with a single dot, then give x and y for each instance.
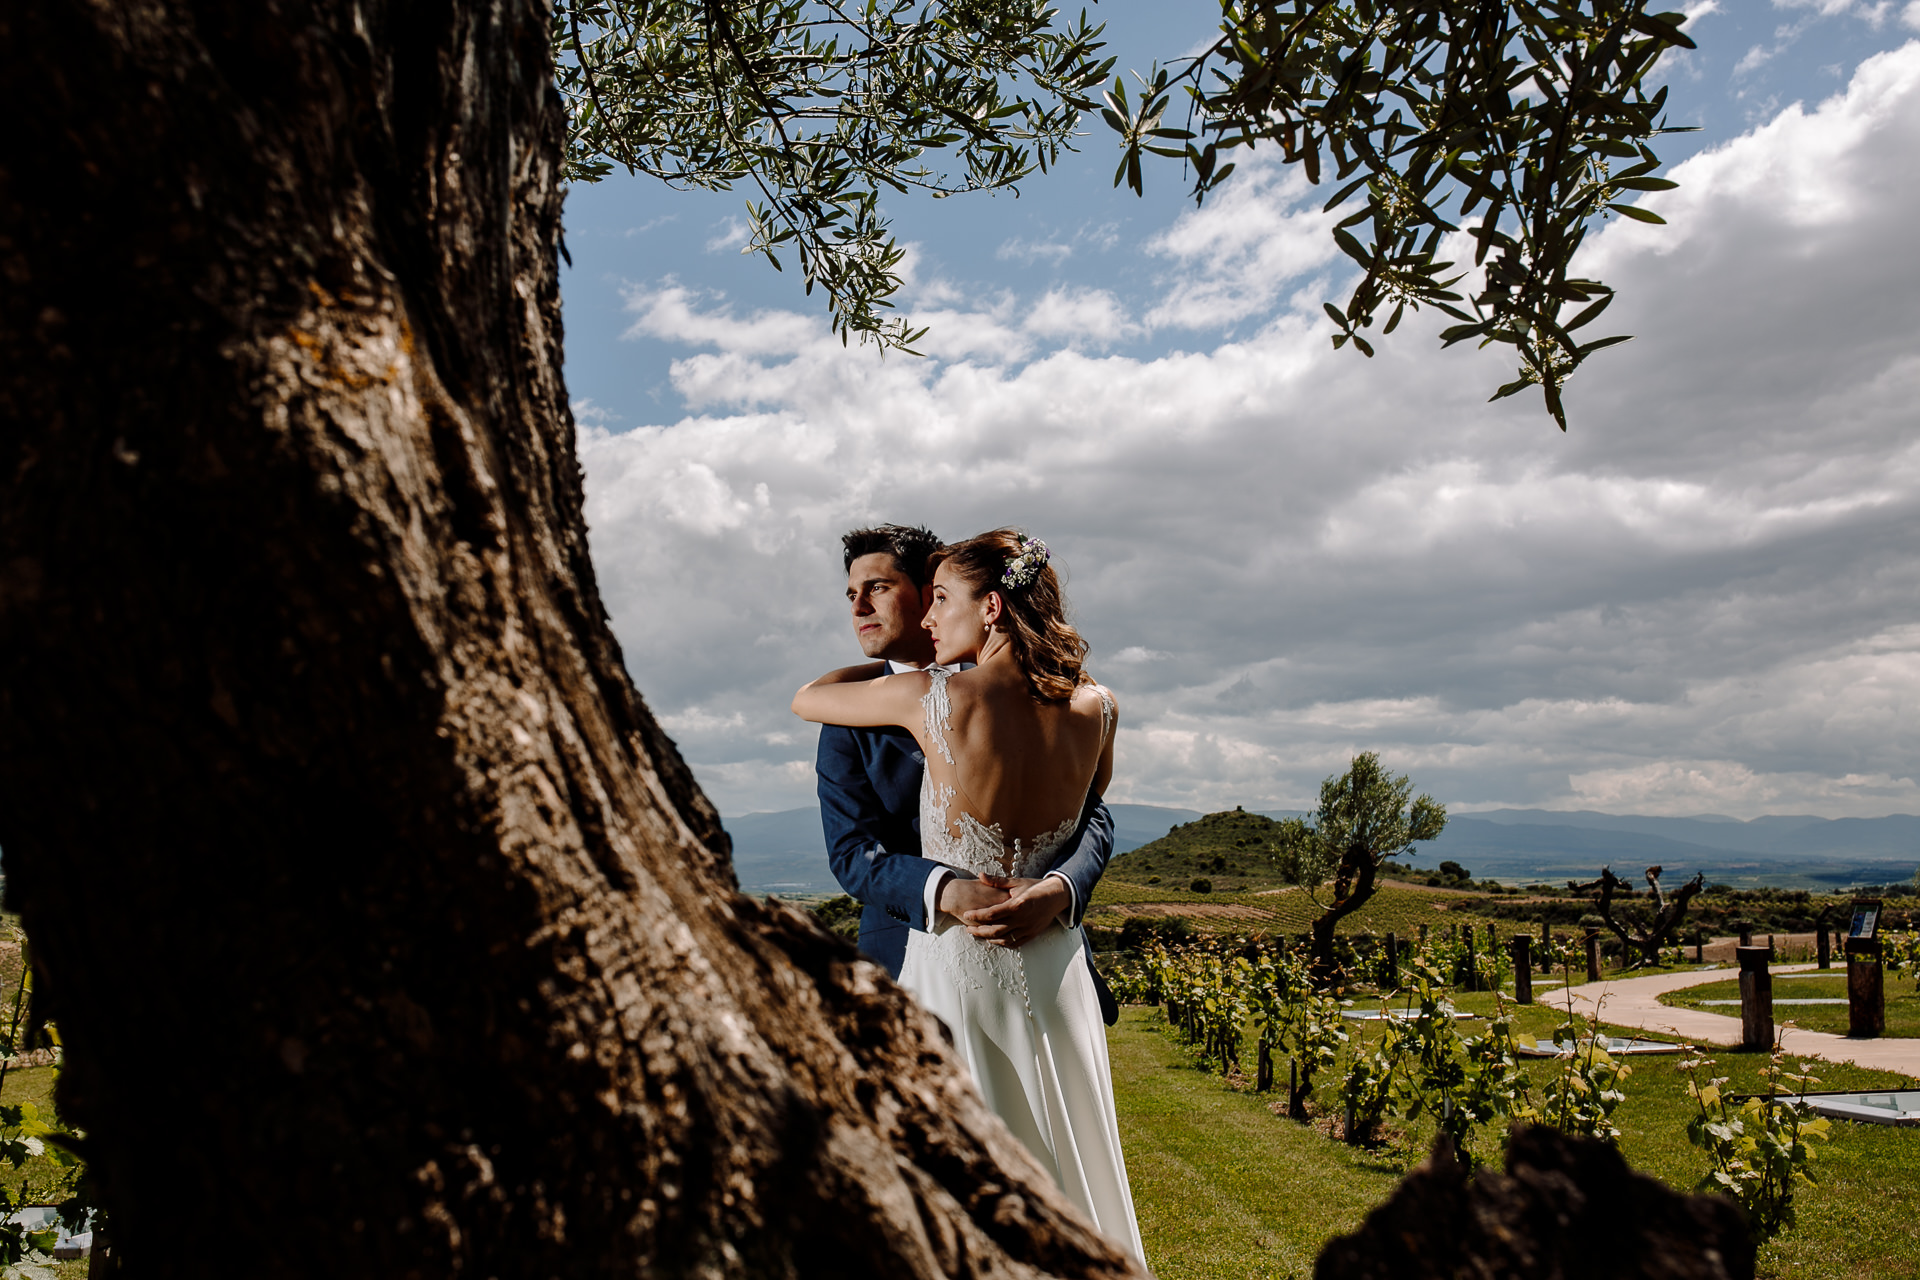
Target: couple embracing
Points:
(960, 784)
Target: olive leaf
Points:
(1527, 120)
(819, 107)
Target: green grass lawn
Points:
(1903, 1003)
(35, 1085)
(1226, 1189)
(1223, 1187)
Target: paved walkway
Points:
(1635, 1002)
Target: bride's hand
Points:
(1030, 907)
(960, 896)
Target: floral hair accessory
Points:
(1026, 564)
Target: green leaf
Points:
(1638, 214)
(1589, 348)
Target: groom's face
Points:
(887, 608)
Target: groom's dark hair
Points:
(909, 545)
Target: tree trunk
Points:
(1666, 916)
(379, 918)
(1352, 889)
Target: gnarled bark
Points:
(1662, 922)
(377, 913)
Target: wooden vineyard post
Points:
(1823, 944)
(1390, 978)
(1546, 947)
(1593, 955)
(1263, 1072)
(1746, 934)
(1866, 991)
(1756, 999)
(1522, 945)
(1771, 955)
(1699, 946)
(1866, 979)
(1473, 975)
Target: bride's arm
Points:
(853, 696)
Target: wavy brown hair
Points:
(1034, 617)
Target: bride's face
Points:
(959, 620)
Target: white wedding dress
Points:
(1026, 1020)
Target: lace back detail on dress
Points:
(938, 711)
(966, 843)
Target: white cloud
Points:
(1704, 597)
(1076, 315)
(1874, 15)
(1244, 249)
(1019, 250)
(1139, 653)
(732, 234)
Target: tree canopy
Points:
(820, 106)
(1363, 819)
(1529, 119)
(1531, 114)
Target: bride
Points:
(1013, 747)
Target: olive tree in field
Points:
(1364, 819)
(377, 914)
(1642, 931)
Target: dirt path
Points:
(1635, 1002)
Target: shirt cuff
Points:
(936, 881)
(1073, 897)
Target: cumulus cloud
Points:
(1021, 250)
(1091, 316)
(1704, 597)
(1245, 249)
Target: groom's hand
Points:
(960, 896)
(1030, 907)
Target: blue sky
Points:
(1702, 599)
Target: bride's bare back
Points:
(1014, 745)
(1016, 766)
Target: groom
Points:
(870, 789)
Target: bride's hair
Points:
(1033, 616)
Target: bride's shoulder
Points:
(1095, 698)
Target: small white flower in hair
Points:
(1026, 564)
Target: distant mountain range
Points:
(784, 852)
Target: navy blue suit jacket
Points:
(870, 809)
